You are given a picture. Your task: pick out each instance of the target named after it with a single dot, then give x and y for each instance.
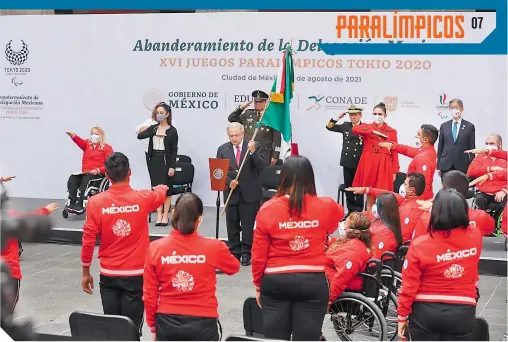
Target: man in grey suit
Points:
(455, 137)
(244, 202)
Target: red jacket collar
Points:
(120, 187)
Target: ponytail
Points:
(188, 209)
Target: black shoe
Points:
(246, 260)
(238, 257)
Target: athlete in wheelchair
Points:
(91, 180)
(358, 302)
(491, 194)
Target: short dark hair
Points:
(188, 208)
(457, 101)
(388, 210)
(417, 181)
(117, 167)
(297, 181)
(456, 180)
(430, 132)
(449, 211)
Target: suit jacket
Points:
(170, 143)
(450, 154)
(249, 183)
(352, 145)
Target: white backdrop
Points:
(82, 71)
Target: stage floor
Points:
(75, 222)
(51, 290)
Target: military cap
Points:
(259, 96)
(354, 110)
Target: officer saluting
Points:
(268, 138)
(352, 147)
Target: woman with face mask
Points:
(95, 153)
(378, 166)
(161, 154)
(348, 255)
(385, 228)
(179, 281)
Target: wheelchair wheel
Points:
(65, 213)
(354, 317)
(104, 185)
(386, 278)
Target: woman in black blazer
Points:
(161, 154)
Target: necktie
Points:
(454, 131)
(238, 155)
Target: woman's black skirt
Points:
(158, 170)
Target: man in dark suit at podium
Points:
(455, 137)
(247, 194)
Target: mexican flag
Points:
(277, 114)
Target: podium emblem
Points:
(218, 173)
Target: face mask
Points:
(374, 211)
(402, 190)
(94, 138)
(342, 229)
(455, 113)
(161, 117)
(491, 147)
(418, 143)
(379, 119)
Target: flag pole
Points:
(246, 154)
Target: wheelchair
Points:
(495, 210)
(366, 314)
(96, 185)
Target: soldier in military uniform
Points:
(352, 147)
(268, 138)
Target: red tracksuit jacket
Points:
(441, 269)
(477, 218)
(424, 162)
(343, 264)
(11, 252)
(180, 278)
(94, 156)
(501, 175)
(408, 210)
(284, 244)
(481, 165)
(383, 239)
(119, 216)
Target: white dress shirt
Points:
(238, 151)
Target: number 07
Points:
(476, 22)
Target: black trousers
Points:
(354, 202)
(488, 203)
(17, 284)
(123, 296)
(76, 182)
(186, 328)
(294, 304)
(442, 322)
(240, 217)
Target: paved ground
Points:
(51, 290)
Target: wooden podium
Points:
(218, 175)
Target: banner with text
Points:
(69, 73)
